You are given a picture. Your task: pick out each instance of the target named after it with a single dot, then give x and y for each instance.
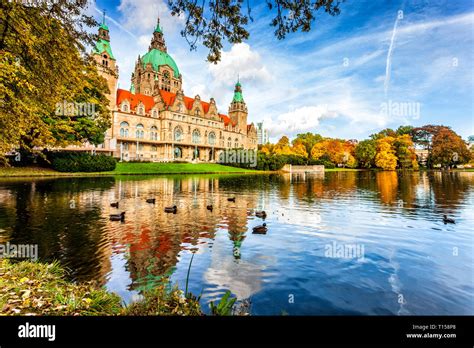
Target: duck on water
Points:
(262, 229)
(173, 209)
(117, 217)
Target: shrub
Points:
(81, 162)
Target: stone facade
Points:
(155, 121)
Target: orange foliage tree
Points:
(335, 150)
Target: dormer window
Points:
(140, 110)
(197, 112)
(155, 113)
(124, 107)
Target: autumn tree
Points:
(365, 152)
(308, 140)
(448, 149)
(386, 158)
(218, 20)
(336, 151)
(299, 149)
(405, 152)
(283, 146)
(44, 62)
(422, 136)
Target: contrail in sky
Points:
(117, 23)
(388, 67)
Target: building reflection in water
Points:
(69, 220)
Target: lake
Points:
(339, 243)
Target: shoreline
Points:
(40, 172)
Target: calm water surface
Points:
(409, 261)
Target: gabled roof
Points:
(135, 99)
(168, 99)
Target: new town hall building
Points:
(155, 121)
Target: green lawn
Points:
(175, 168)
(131, 169)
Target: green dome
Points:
(158, 58)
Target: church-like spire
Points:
(158, 41)
(158, 28)
(104, 29)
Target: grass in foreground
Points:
(31, 288)
(175, 168)
(125, 168)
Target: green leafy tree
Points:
(43, 63)
(365, 152)
(402, 130)
(387, 132)
(214, 21)
(405, 152)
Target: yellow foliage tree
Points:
(299, 149)
(385, 157)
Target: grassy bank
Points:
(130, 169)
(176, 168)
(32, 288)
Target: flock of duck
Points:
(261, 229)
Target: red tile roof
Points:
(147, 100)
(168, 98)
(226, 120)
(135, 99)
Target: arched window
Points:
(236, 143)
(124, 107)
(196, 137)
(197, 112)
(124, 129)
(153, 133)
(155, 113)
(180, 107)
(229, 142)
(211, 138)
(141, 109)
(178, 153)
(139, 133)
(178, 134)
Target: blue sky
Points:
(378, 64)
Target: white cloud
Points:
(240, 61)
(141, 15)
(297, 121)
